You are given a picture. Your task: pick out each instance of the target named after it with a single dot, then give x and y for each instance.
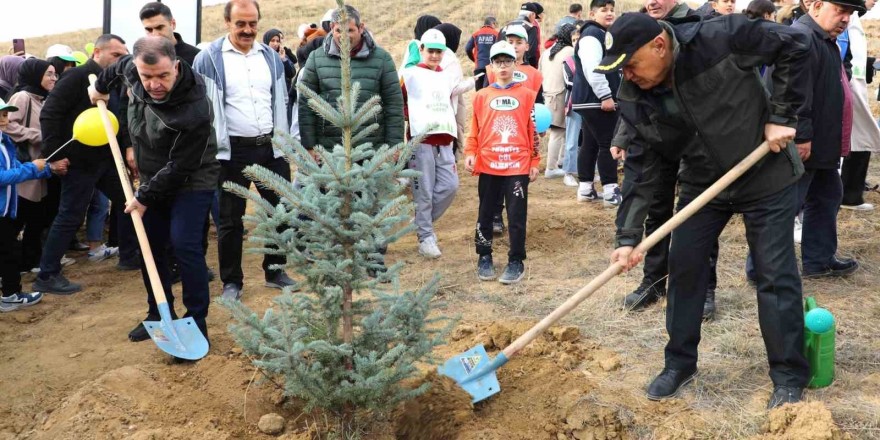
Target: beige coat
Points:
(24, 132)
(554, 83)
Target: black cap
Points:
(529, 7)
(858, 5)
(628, 33)
(538, 8)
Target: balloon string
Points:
(59, 149)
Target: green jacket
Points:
(374, 69)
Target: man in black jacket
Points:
(823, 135)
(672, 99)
(157, 21)
(170, 125)
(91, 168)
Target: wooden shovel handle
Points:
(147, 253)
(615, 268)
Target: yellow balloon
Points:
(88, 128)
(81, 57)
(90, 47)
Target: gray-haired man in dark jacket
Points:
(175, 149)
(672, 98)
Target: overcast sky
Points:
(32, 18)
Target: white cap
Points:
(61, 51)
(517, 31)
(328, 16)
(301, 30)
(433, 39)
(502, 48)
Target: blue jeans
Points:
(180, 221)
(572, 130)
(99, 209)
(77, 188)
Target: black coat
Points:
(186, 52)
(68, 99)
(821, 115)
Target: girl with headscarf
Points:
(411, 55)
(36, 78)
(9, 66)
(274, 38)
(551, 66)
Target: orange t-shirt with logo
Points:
(524, 73)
(502, 135)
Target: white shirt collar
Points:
(227, 46)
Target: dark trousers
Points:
(180, 221)
(76, 192)
(661, 209)
(480, 83)
(597, 132)
(31, 218)
(8, 257)
(232, 208)
(768, 223)
(513, 191)
(853, 175)
(819, 193)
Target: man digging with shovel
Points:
(691, 94)
(175, 149)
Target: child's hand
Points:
(469, 162)
(533, 174)
(59, 167)
(40, 164)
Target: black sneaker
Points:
(56, 284)
(646, 294)
(709, 306)
(513, 273)
(667, 384)
(837, 268)
(78, 246)
(782, 395)
(129, 265)
(498, 225)
(280, 280)
(139, 332)
(485, 268)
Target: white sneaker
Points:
(586, 192)
(862, 207)
(19, 300)
(65, 261)
(553, 173)
(102, 253)
(798, 230)
(570, 180)
(611, 196)
(428, 248)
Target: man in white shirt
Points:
(245, 81)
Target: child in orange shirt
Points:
(501, 149)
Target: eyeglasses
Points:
(502, 63)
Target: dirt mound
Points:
(802, 421)
(436, 415)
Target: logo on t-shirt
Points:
(519, 76)
(504, 103)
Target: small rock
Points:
(271, 424)
(74, 355)
(609, 363)
(501, 335)
(236, 350)
(567, 361)
(565, 334)
(462, 332)
(561, 436)
(551, 428)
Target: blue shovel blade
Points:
(475, 372)
(180, 337)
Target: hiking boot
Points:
(709, 305)
(668, 383)
(782, 395)
(102, 253)
(55, 284)
(837, 268)
(646, 294)
(485, 268)
(612, 196)
(428, 248)
(586, 192)
(513, 273)
(231, 292)
(497, 225)
(280, 280)
(19, 300)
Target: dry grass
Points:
(568, 244)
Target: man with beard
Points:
(246, 85)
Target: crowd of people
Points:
(675, 96)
